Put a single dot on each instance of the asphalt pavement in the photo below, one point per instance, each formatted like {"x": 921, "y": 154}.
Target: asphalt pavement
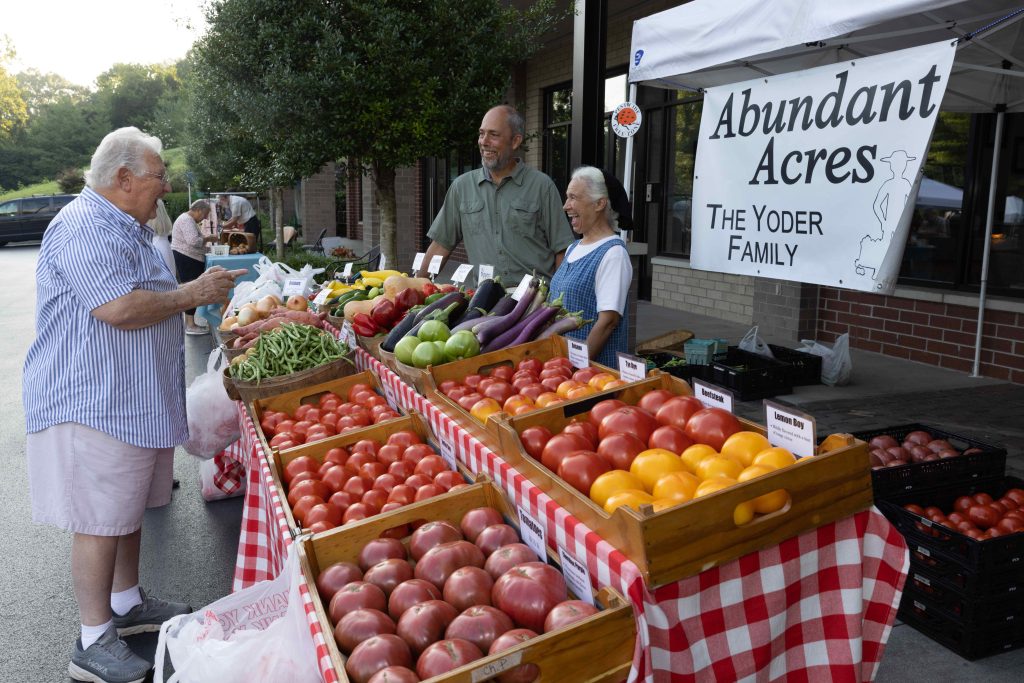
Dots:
{"x": 189, "y": 547}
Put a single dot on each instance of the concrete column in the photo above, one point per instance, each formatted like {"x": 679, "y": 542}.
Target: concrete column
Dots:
{"x": 785, "y": 312}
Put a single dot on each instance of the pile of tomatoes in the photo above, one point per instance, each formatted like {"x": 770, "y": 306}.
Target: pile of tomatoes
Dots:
{"x": 330, "y": 416}
{"x": 664, "y": 451}
{"x": 978, "y": 516}
{"x": 455, "y": 594}
{"x": 365, "y": 479}
{"x": 529, "y": 385}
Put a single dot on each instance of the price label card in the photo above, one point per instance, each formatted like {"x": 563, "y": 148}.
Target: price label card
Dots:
{"x": 579, "y": 354}
{"x": 348, "y": 269}
{"x": 489, "y": 671}
{"x": 461, "y": 273}
{"x": 577, "y": 576}
{"x": 712, "y": 396}
{"x": 435, "y": 265}
{"x": 392, "y": 400}
{"x": 524, "y": 285}
{"x": 383, "y": 262}
{"x": 448, "y": 452}
{"x": 322, "y": 296}
{"x": 295, "y": 285}
{"x": 791, "y": 429}
{"x": 417, "y": 262}
{"x": 631, "y": 368}
{"x": 347, "y": 334}
{"x": 485, "y": 272}
{"x": 533, "y": 533}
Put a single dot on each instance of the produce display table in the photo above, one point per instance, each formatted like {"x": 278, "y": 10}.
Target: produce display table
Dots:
{"x": 819, "y": 604}
{"x": 230, "y": 262}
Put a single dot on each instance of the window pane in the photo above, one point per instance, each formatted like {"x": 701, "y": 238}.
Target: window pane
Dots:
{"x": 8, "y": 208}
{"x": 615, "y": 92}
{"x": 559, "y": 106}
{"x": 35, "y": 204}
{"x": 556, "y": 156}
{"x": 683, "y": 126}
{"x": 936, "y": 230}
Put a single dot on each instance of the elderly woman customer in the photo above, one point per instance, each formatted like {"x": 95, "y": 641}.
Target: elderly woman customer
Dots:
{"x": 189, "y": 247}
{"x": 595, "y": 274}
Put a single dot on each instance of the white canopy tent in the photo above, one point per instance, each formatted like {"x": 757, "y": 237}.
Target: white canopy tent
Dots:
{"x": 705, "y": 43}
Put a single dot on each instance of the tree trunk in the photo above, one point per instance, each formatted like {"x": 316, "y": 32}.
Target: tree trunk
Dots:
{"x": 278, "y": 201}
{"x": 384, "y": 181}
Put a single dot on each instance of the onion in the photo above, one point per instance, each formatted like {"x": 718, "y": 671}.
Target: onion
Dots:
{"x": 248, "y": 316}
{"x": 229, "y": 322}
{"x": 267, "y": 304}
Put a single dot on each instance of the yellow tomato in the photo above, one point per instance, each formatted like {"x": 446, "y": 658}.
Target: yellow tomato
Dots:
{"x": 743, "y": 446}
{"x": 776, "y": 457}
{"x": 769, "y": 502}
{"x": 660, "y": 504}
{"x": 676, "y": 485}
{"x": 717, "y": 466}
{"x": 633, "y": 498}
{"x": 514, "y": 402}
{"x": 565, "y": 387}
{"x": 654, "y": 463}
{"x": 610, "y": 483}
{"x": 484, "y": 408}
{"x": 614, "y": 383}
{"x": 546, "y": 399}
{"x": 580, "y": 391}
{"x": 742, "y": 513}
{"x": 599, "y": 380}
{"x": 692, "y": 456}
{"x": 754, "y": 471}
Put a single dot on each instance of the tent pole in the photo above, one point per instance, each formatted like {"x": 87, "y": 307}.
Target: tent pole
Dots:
{"x": 988, "y": 241}
{"x": 627, "y": 180}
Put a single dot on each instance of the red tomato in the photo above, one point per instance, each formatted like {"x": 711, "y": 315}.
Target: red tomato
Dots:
{"x": 469, "y": 400}
{"x": 313, "y": 414}
{"x": 520, "y": 382}
{"x": 416, "y": 452}
{"x": 677, "y": 410}
{"x": 581, "y": 468}
{"x": 375, "y": 498}
{"x": 310, "y": 487}
{"x": 285, "y": 425}
{"x": 447, "y": 385}
{"x": 365, "y": 446}
{"x": 619, "y": 450}
{"x": 532, "y": 365}
{"x": 503, "y": 372}
{"x": 376, "y": 653}
{"x": 282, "y": 438}
{"x": 336, "y": 477}
{"x": 372, "y": 470}
{"x": 385, "y": 415}
{"x": 403, "y": 494}
{"x": 628, "y": 420}
{"x": 329, "y": 418}
{"x": 982, "y": 498}
{"x": 478, "y": 519}
{"x": 586, "y": 429}
{"x": 404, "y": 438}
{"x": 303, "y": 505}
{"x": 389, "y": 453}
{"x": 601, "y": 410}
{"x": 325, "y": 512}
{"x": 558, "y": 362}
{"x": 418, "y": 480}
{"x": 268, "y": 428}
{"x": 654, "y": 399}
{"x": 330, "y": 405}
{"x": 983, "y": 516}
{"x": 500, "y": 391}
{"x": 561, "y": 373}
{"x": 357, "y": 388}
{"x": 357, "y": 486}
{"x": 301, "y": 411}
{"x": 458, "y": 392}
{"x": 427, "y": 491}
{"x": 528, "y": 592}
{"x": 448, "y": 479}
{"x": 712, "y": 426}
{"x": 583, "y": 375}
{"x": 534, "y": 440}
{"x": 444, "y": 656}
{"x": 328, "y": 396}
{"x": 359, "y": 625}
{"x": 430, "y": 465}
{"x": 551, "y": 383}
{"x": 565, "y": 613}
{"x": 670, "y": 438}
{"x": 401, "y": 469}
{"x": 335, "y": 577}
{"x": 559, "y": 446}
{"x": 480, "y": 625}
{"x": 533, "y": 390}
{"x": 472, "y": 381}
{"x": 303, "y": 463}
{"x": 319, "y": 432}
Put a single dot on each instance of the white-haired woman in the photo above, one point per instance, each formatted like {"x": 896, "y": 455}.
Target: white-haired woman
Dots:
{"x": 595, "y": 274}
{"x": 188, "y": 244}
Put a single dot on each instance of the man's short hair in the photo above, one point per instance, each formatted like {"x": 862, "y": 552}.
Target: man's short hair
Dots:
{"x": 125, "y": 147}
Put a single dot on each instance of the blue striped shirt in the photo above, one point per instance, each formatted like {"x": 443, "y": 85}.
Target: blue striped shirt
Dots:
{"x": 129, "y": 384}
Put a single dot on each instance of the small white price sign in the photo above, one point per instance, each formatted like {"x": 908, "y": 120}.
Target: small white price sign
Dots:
{"x": 448, "y": 452}
{"x": 389, "y": 394}
{"x": 294, "y": 286}
{"x": 348, "y": 269}
{"x": 577, "y": 576}
{"x": 533, "y": 533}
{"x": 712, "y": 396}
{"x": 631, "y": 368}
{"x": 435, "y": 264}
{"x": 484, "y": 272}
{"x": 383, "y": 262}
{"x": 461, "y": 273}
{"x": 348, "y": 335}
{"x": 417, "y": 262}
{"x": 524, "y": 285}
{"x": 579, "y": 354}
{"x": 322, "y": 296}
{"x": 791, "y": 429}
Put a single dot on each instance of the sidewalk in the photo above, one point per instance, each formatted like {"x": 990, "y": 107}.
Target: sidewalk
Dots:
{"x": 885, "y": 392}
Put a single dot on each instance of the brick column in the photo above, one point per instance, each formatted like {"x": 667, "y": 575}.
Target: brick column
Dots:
{"x": 784, "y": 311}
{"x": 318, "y": 206}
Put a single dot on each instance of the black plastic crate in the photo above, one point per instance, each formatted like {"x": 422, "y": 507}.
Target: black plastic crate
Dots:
{"x": 750, "y": 376}
{"x": 931, "y": 571}
{"x": 1004, "y": 606}
{"x": 890, "y": 481}
{"x": 805, "y": 368}
{"x": 970, "y": 641}
{"x": 684, "y": 371}
{"x": 940, "y": 544}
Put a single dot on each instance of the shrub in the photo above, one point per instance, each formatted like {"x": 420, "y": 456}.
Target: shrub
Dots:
{"x": 71, "y": 180}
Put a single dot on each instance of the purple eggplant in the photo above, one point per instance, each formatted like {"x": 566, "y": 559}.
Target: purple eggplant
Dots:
{"x": 527, "y": 328}
{"x": 571, "y": 322}
{"x": 492, "y": 327}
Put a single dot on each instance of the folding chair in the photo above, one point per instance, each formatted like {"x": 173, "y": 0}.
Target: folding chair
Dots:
{"x": 317, "y": 246}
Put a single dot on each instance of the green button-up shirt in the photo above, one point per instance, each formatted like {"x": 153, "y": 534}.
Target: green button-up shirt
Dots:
{"x": 517, "y": 226}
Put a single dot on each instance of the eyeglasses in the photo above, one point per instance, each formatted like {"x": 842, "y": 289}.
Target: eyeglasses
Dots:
{"x": 162, "y": 177}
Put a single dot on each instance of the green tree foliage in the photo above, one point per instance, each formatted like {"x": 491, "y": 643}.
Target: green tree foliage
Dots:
{"x": 130, "y": 93}
{"x": 298, "y": 83}
{"x": 13, "y": 112}
{"x": 43, "y": 90}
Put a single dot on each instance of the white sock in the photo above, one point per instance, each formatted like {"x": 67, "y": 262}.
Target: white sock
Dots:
{"x": 90, "y": 634}
{"x": 123, "y": 601}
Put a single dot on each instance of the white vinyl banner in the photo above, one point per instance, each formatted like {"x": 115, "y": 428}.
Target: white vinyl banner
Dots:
{"x": 812, "y": 176}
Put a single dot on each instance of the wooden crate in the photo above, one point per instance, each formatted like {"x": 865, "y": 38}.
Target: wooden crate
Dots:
{"x": 542, "y": 350}
{"x": 670, "y": 342}
{"x": 689, "y": 538}
{"x": 318, "y": 450}
{"x": 599, "y": 648}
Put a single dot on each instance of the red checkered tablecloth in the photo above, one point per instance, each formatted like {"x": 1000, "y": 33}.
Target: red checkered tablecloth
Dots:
{"x": 817, "y": 605}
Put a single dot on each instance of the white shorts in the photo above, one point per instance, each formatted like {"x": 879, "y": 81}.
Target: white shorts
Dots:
{"x": 88, "y": 482}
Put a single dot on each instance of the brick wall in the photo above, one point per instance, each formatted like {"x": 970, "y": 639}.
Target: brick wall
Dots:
{"x": 785, "y": 312}
{"x": 318, "y": 204}
{"x": 354, "y": 199}
{"x": 719, "y": 295}
{"x": 928, "y": 331}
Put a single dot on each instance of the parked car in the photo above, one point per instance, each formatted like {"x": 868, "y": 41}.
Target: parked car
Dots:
{"x": 25, "y": 219}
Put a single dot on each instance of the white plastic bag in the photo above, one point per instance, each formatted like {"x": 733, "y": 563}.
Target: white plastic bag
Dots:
{"x": 258, "y": 635}
{"x": 836, "y": 363}
{"x": 220, "y": 478}
{"x": 212, "y": 416}
{"x": 753, "y": 343}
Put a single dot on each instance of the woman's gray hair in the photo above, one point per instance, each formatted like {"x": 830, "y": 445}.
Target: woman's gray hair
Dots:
{"x": 124, "y": 147}
{"x": 200, "y": 205}
{"x": 161, "y": 224}
{"x": 593, "y": 179}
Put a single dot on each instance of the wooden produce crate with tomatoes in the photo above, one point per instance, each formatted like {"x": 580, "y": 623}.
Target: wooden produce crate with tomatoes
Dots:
{"x": 375, "y": 469}
{"x": 523, "y": 371}
{"x": 396, "y": 611}
{"x": 343, "y": 405}
{"x": 721, "y": 499}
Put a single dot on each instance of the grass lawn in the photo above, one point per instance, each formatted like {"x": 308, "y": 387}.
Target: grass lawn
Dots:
{"x": 48, "y": 187}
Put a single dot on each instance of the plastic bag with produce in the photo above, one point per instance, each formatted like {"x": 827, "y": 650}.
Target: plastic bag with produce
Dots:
{"x": 212, "y": 417}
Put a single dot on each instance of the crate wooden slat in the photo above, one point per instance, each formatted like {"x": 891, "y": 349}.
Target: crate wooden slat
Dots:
{"x": 689, "y": 538}
{"x": 599, "y": 648}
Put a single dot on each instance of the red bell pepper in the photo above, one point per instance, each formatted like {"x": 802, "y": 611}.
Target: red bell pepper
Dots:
{"x": 364, "y": 326}
{"x": 408, "y": 297}
{"x": 429, "y": 288}
{"x": 384, "y": 313}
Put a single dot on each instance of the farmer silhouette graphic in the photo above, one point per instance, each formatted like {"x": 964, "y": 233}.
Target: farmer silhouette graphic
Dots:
{"x": 888, "y": 207}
